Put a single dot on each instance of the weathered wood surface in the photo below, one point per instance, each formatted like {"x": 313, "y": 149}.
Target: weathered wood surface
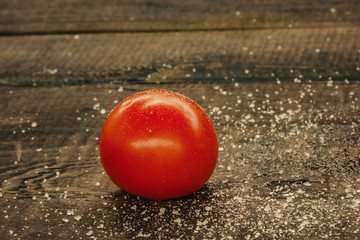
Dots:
{"x": 284, "y": 102}
{"x": 42, "y": 16}
{"x": 219, "y": 56}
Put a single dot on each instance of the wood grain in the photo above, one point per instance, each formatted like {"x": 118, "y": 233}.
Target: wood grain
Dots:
{"x": 287, "y": 120}
{"x": 163, "y": 57}
{"x": 286, "y": 151}
{"x": 279, "y": 79}
{"x": 70, "y": 16}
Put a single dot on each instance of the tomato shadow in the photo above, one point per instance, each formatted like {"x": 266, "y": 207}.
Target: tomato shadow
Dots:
{"x": 204, "y": 193}
{"x": 129, "y": 216}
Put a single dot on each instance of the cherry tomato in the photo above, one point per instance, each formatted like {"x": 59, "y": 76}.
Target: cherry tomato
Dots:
{"x": 158, "y": 144}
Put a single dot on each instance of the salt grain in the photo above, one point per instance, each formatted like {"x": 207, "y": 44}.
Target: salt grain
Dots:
{"x": 162, "y": 211}
{"x": 70, "y": 212}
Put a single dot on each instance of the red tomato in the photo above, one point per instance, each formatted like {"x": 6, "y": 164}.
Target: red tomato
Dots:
{"x": 159, "y": 145}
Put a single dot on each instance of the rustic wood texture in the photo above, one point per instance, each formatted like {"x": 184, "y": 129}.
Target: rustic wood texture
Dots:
{"x": 217, "y": 56}
{"x": 42, "y": 16}
{"x": 284, "y": 102}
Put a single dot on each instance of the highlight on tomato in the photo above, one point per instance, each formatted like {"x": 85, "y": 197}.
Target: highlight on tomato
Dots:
{"x": 159, "y": 145}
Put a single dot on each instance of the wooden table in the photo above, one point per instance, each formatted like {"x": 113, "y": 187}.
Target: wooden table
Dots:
{"x": 279, "y": 79}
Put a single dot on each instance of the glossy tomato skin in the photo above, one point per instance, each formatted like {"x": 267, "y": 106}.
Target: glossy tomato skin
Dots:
{"x": 159, "y": 145}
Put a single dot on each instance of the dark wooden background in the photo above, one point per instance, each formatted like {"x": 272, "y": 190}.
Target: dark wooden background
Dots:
{"x": 280, "y": 80}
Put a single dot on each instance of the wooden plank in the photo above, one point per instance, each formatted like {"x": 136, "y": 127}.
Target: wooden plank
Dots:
{"x": 41, "y": 16}
{"x": 285, "y": 105}
{"x": 164, "y": 57}
{"x": 288, "y": 164}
